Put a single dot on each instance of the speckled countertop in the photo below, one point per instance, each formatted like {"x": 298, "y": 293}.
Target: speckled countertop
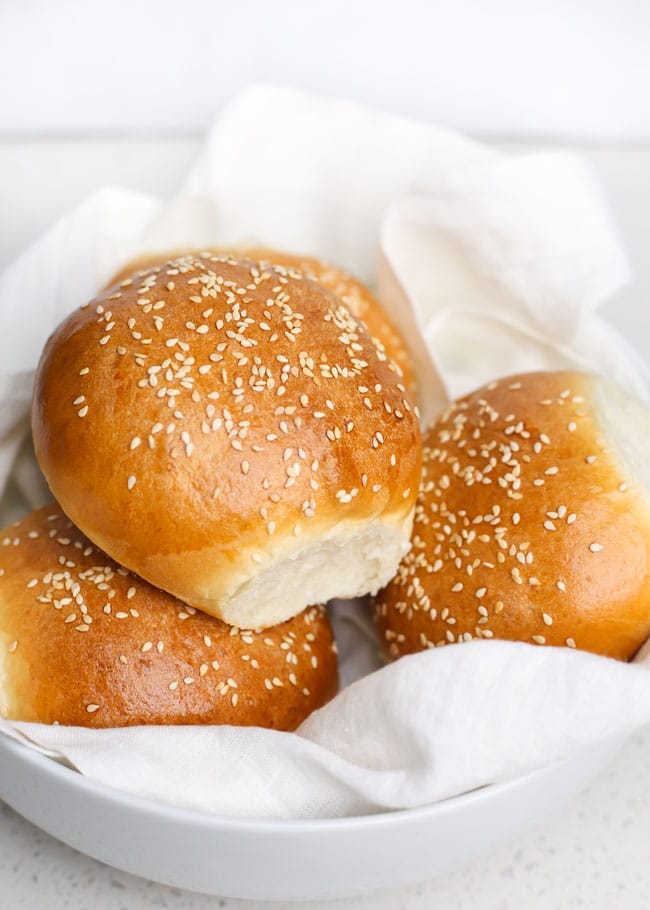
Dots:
{"x": 596, "y": 855}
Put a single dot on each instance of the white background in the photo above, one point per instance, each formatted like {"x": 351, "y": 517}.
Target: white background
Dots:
{"x": 569, "y": 68}
{"x": 115, "y": 92}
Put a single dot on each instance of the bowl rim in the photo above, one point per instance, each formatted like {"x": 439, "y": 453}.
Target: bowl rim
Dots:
{"x": 70, "y": 777}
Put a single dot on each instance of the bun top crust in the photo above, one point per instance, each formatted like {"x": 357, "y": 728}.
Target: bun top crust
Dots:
{"x": 361, "y": 302}
{"x": 214, "y": 416}
{"x": 84, "y": 642}
{"x": 532, "y": 522}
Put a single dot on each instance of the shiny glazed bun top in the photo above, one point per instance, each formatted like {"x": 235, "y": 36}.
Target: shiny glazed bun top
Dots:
{"x": 532, "y": 522}
{"x": 83, "y": 642}
{"x": 361, "y": 302}
{"x": 227, "y": 430}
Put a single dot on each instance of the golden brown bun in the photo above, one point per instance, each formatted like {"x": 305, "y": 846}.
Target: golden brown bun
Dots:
{"x": 361, "y": 302}
{"x": 532, "y": 523}
{"x": 83, "y": 642}
{"x": 229, "y": 432}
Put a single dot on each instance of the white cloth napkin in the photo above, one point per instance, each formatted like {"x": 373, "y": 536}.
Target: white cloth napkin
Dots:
{"x": 491, "y": 265}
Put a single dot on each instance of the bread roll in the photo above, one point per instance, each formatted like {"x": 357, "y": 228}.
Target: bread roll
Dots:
{"x": 83, "y": 642}
{"x": 532, "y": 522}
{"x": 228, "y": 431}
{"x": 361, "y": 302}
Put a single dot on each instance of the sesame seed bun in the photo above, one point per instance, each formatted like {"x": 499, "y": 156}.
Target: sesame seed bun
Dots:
{"x": 361, "y": 302}
{"x": 229, "y": 431}
{"x": 83, "y": 642}
{"x": 532, "y": 522}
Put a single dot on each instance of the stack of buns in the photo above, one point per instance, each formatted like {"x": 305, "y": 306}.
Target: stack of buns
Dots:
{"x": 232, "y": 440}
{"x": 230, "y": 447}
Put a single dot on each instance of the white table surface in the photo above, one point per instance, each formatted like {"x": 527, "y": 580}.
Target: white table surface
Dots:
{"x": 597, "y": 855}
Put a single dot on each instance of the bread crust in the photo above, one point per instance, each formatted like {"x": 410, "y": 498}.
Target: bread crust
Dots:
{"x": 530, "y": 525}
{"x": 213, "y": 417}
{"x": 359, "y": 299}
{"x": 83, "y": 642}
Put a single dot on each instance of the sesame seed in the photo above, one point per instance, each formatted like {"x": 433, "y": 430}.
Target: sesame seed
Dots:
{"x": 92, "y": 708}
{"x": 595, "y": 547}
{"x": 548, "y": 620}
{"x": 539, "y": 639}
{"x": 570, "y": 643}
{"x": 131, "y": 482}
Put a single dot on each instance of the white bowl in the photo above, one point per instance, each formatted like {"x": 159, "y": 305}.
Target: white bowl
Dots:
{"x": 278, "y": 860}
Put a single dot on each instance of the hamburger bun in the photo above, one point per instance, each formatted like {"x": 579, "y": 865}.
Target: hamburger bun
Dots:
{"x": 532, "y": 522}
{"x": 228, "y": 431}
{"x": 85, "y": 643}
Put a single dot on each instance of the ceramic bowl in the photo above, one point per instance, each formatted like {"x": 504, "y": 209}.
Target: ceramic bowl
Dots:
{"x": 279, "y": 860}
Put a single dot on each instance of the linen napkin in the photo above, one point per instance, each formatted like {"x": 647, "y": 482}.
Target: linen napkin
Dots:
{"x": 490, "y": 264}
